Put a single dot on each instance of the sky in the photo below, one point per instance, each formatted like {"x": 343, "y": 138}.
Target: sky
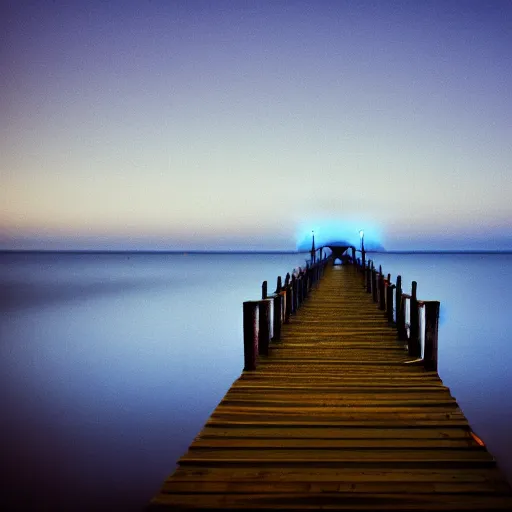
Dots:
{"x": 245, "y": 125}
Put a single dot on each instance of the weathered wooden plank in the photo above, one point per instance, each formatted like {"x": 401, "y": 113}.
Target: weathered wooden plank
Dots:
{"x": 267, "y": 486}
{"x": 321, "y": 432}
{"x": 352, "y": 444}
{"x": 393, "y": 422}
{"x": 368, "y": 401}
{"x": 403, "y": 399}
{"x": 336, "y": 376}
{"x": 309, "y": 363}
{"x": 338, "y": 475}
{"x": 336, "y": 501}
{"x": 359, "y": 456}
{"x": 342, "y": 375}
{"x": 341, "y": 412}
{"x": 339, "y": 389}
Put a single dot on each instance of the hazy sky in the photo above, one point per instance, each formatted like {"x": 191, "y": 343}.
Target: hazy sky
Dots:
{"x": 246, "y": 124}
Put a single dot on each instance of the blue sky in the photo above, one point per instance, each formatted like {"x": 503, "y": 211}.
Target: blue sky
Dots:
{"x": 158, "y": 124}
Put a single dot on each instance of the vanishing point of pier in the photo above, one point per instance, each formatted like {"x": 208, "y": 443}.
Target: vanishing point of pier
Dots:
{"x": 342, "y": 410}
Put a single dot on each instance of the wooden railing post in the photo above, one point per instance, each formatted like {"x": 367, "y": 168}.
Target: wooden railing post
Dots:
{"x": 250, "y": 318}
{"x": 414, "y": 315}
{"x": 284, "y": 319}
{"x": 389, "y": 302}
{"x": 288, "y": 306}
{"x": 263, "y": 326}
{"x": 300, "y": 289}
{"x": 294, "y": 294}
{"x": 382, "y": 290}
{"x": 279, "y": 286}
{"x": 400, "y": 312}
{"x": 369, "y": 277}
{"x": 431, "y": 334}
{"x": 277, "y": 317}
{"x": 374, "y": 284}
{"x": 264, "y": 292}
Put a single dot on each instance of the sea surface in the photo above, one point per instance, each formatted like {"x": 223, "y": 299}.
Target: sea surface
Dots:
{"x": 110, "y": 364}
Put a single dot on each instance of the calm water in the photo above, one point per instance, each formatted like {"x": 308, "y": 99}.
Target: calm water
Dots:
{"x": 111, "y": 364}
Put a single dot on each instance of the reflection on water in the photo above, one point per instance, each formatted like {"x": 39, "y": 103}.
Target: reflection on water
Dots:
{"x": 111, "y": 364}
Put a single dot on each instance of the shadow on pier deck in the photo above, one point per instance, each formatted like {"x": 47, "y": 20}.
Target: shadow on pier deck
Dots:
{"x": 335, "y": 418}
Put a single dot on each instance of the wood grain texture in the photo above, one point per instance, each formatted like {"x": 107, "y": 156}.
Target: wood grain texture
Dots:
{"x": 336, "y": 417}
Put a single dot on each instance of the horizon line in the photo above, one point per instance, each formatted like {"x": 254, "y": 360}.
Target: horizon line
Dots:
{"x": 239, "y": 251}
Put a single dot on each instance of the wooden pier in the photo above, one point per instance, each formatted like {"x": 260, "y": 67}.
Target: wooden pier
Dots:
{"x": 339, "y": 411}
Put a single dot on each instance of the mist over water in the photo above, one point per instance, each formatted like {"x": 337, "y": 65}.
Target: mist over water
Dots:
{"x": 110, "y": 364}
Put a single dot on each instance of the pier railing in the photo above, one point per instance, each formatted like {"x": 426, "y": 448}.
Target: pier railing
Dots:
{"x": 416, "y": 321}
{"x": 262, "y": 319}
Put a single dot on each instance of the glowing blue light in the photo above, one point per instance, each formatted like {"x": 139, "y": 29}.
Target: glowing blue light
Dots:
{"x": 330, "y": 230}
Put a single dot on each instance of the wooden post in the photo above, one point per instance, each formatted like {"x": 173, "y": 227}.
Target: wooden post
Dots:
{"x": 279, "y": 284}
{"x": 288, "y": 307}
{"x": 431, "y": 332}
{"x": 389, "y": 302}
{"x": 354, "y": 261}
{"x": 374, "y": 284}
{"x": 264, "y": 290}
{"x": 414, "y": 315}
{"x": 382, "y": 291}
{"x": 294, "y": 294}
{"x": 300, "y": 291}
{"x": 263, "y": 326}
{"x": 403, "y": 312}
{"x": 250, "y": 335}
{"x": 277, "y": 317}
{"x": 363, "y": 258}
{"x": 369, "y": 278}
{"x": 283, "y": 294}
{"x": 400, "y": 319}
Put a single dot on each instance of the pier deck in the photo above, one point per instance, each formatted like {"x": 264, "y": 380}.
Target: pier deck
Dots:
{"x": 337, "y": 418}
